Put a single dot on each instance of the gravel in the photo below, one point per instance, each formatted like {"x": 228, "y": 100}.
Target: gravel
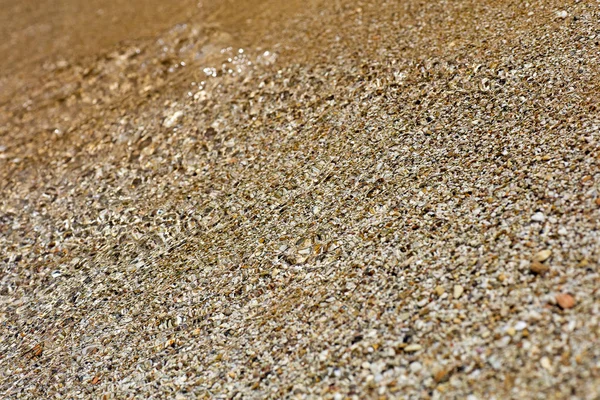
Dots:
{"x": 358, "y": 200}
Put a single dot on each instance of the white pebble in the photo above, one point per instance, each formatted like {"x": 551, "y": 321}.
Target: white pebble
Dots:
{"x": 411, "y": 348}
{"x": 538, "y": 217}
{"x": 173, "y": 119}
{"x": 415, "y": 366}
{"x": 458, "y": 291}
{"x": 545, "y": 362}
{"x": 519, "y": 326}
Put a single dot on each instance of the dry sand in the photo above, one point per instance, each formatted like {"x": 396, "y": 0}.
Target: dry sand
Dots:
{"x": 327, "y": 200}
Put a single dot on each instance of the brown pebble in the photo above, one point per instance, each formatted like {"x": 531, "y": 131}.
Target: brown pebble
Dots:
{"x": 442, "y": 375}
{"x": 538, "y": 268}
{"x": 565, "y": 301}
{"x": 598, "y": 201}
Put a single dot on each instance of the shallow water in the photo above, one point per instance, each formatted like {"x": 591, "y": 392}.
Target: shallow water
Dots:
{"x": 44, "y": 38}
{"x": 34, "y": 30}
{"x": 39, "y": 30}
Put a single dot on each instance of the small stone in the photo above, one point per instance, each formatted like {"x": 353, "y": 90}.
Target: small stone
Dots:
{"x": 439, "y": 290}
{"x": 538, "y": 268}
{"x": 598, "y": 201}
{"x": 538, "y": 217}
{"x": 563, "y": 231}
{"x": 565, "y": 301}
{"x": 173, "y": 119}
{"x": 442, "y": 375}
{"x": 562, "y": 14}
{"x": 511, "y": 331}
{"x": 415, "y": 366}
{"x": 520, "y": 325}
{"x": 458, "y": 291}
{"x": 411, "y": 348}
{"x": 62, "y": 64}
{"x": 543, "y": 255}
{"x": 545, "y": 362}
{"x": 583, "y": 263}
{"x": 423, "y": 302}
{"x": 403, "y": 316}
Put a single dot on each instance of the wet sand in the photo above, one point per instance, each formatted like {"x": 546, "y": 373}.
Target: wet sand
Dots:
{"x": 38, "y": 31}
{"x": 247, "y": 199}
{"x": 42, "y": 37}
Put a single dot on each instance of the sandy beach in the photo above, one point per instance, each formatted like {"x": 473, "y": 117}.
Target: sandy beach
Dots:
{"x": 306, "y": 200}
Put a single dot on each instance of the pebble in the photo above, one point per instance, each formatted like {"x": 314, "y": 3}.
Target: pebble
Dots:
{"x": 411, "y": 348}
{"x": 565, "y": 301}
{"x": 439, "y": 290}
{"x": 442, "y": 375}
{"x": 173, "y": 119}
{"x": 545, "y": 362}
{"x": 423, "y": 302}
{"x": 403, "y": 316}
{"x": 90, "y": 349}
{"x": 538, "y": 217}
{"x": 415, "y": 366}
{"x": 520, "y": 325}
{"x": 542, "y": 256}
{"x": 458, "y": 291}
{"x": 538, "y": 268}
{"x": 562, "y": 14}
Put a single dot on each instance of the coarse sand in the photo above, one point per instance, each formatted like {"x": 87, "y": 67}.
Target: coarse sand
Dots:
{"x": 320, "y": 199}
